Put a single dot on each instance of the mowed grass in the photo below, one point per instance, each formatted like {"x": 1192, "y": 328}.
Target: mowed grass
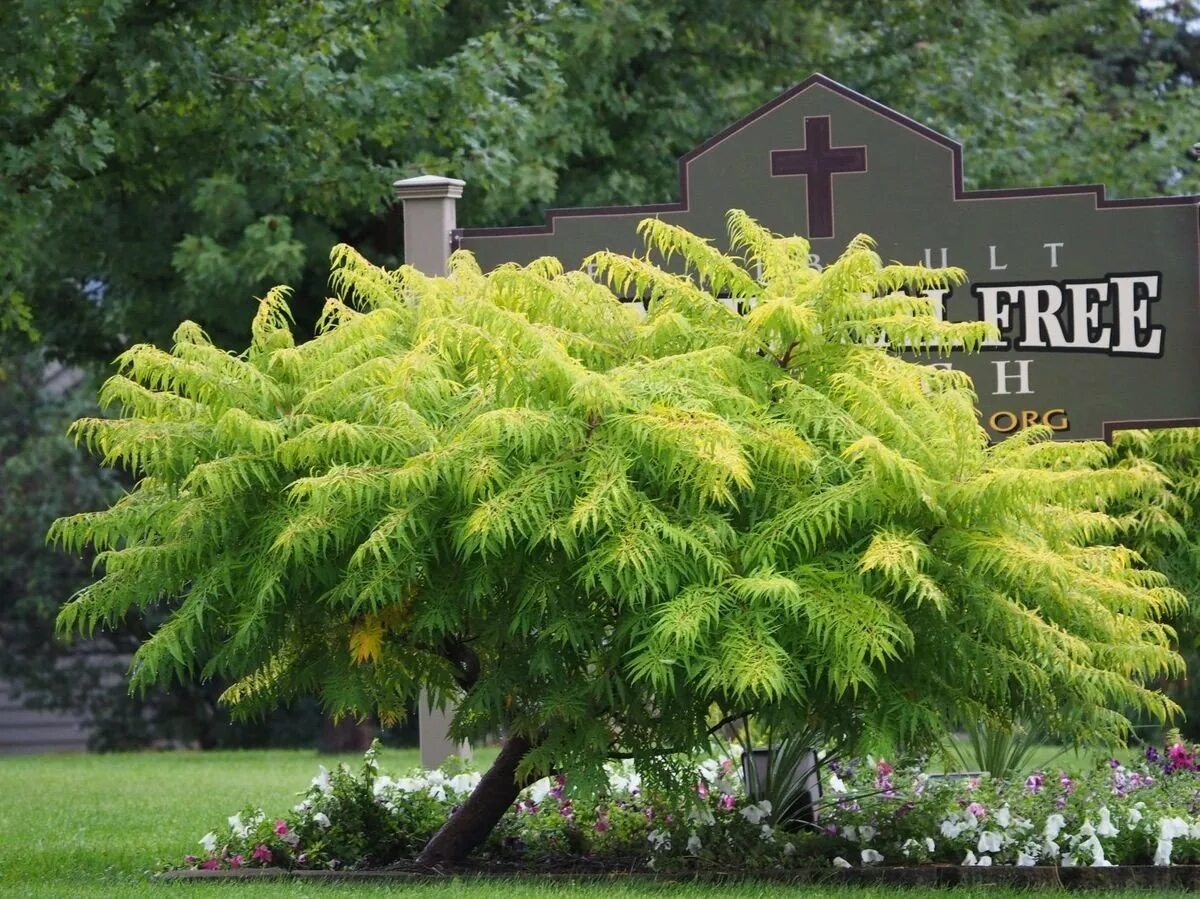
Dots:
{"x": 98, "y": 825}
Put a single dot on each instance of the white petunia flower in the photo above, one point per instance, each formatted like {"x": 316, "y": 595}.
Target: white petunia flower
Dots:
{"x": 1025, "y": 860}
{"x": 866, "y": 833}
{"x": 659, "y": 840}
{"x": 767, "y": 834}
{"x": 985, "y": 861}
{"x": 322, "y": 781}
{"x": 951, "y": 828}
{"x": 701, "y": 816}
{"x": 1050, "y": 849}
{"x": 929, "y": 843}
{"x": 840, "y": 862}
{"x": 850, "y": 832}
{"x": 989, "y": 841}
{"x": 836, "y": 784}
{"x": 322, "y": 819}
{"x": 209, "y": 841}
{"x": 1003, "y": 817}
{"x": 464, "y": 783}
{"x": 693, "y": 844}
{"x": 1170, "y": 828}
{"x": 540, "y": 790}
{"x": 970, "y": 861}
{"x": 757, "y": 812}
{"x": 1106, "y": 828}
{"x": 1054, "y": 826}
{"x": 871, "y": 857}
{"x": 1135, "y": 815}
{"x": 237, "y": 828}
{"x": 1162, "y": 854}
{"x": 789, "y": 848}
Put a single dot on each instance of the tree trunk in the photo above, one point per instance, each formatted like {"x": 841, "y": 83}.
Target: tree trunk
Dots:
{"x": 474, "y": 820}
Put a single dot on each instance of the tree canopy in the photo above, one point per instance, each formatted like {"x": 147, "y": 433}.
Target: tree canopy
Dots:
{"x": 170, "y": 160}
{"x": 602, "y": 532}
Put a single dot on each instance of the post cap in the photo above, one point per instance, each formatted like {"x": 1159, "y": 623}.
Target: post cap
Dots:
{"x": 429, "y": 187}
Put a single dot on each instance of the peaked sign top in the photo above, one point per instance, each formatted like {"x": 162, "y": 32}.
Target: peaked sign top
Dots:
{"x": 1096, "y": 299}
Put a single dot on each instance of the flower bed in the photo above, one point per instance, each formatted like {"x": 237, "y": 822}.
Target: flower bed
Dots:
{"x": 872, "y": 815}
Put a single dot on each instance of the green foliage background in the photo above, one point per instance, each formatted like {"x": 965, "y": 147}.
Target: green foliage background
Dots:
{"x": 174, "y": 160}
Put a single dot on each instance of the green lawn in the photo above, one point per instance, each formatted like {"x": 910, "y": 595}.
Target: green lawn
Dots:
{"x": 82, "y": 825}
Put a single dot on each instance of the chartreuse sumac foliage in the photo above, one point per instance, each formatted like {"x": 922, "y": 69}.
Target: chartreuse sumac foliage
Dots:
{"x": 601, "y": 530}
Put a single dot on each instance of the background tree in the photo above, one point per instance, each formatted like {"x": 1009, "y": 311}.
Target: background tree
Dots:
{"x": 43, "y": 476}
{"x": 1166, "y": 532}
{"x": 589, "y": 528}
{"x": 170, "y": 160}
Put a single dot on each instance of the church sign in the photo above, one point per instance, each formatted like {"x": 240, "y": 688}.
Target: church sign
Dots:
{"x": 1097, "y": 301}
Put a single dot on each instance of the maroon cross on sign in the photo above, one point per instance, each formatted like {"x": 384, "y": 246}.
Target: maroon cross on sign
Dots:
{"x": 819, "y": 162}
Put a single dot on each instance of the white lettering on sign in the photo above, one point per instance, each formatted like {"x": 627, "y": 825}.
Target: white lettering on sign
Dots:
{"x": 1040, "y": 305}
{"x": 1003, "y": 376}
{"x": 1136, "y": 336}
{"x": 929, "y": 258}
{"x": 992, "y": 257}
{"x": 992, "y": 311}
{"x": 1053, "y": 248}
{"x": 1112, "y": 316}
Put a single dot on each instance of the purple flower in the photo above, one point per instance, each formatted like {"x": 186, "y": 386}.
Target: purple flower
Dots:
{"x": 1151, "y": 754}
{"x": 1034, "y": 782}
{"x": 1114, "y": 764}
{"x": 1060, "y": 802}
{"x": 1179, "y": 759}
{"x": 1068, "y": 785}
{"x": 977, "y": 810}
{"x": 727, "y": 801}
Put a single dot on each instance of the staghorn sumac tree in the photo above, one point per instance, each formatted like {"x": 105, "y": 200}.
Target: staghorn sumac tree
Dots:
{"x": 604, "y": 532}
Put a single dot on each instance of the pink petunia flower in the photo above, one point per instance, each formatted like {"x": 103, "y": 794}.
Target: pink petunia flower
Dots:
{"x": 281, "y": 827}
{"x": 210, "y": 864}
{"x": 236, "y": 861}
{"x": 262, "y": 854}
{"x": 727, "y": 801}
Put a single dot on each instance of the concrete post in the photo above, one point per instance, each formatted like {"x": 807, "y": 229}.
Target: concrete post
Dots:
{"x": 429, "y": 218}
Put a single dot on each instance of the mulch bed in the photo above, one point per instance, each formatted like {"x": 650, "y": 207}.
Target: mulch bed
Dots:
{"x": 1125, "y": 876}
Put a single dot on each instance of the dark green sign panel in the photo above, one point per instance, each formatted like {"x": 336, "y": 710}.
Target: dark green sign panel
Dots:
{"x": 1097, "y": 300}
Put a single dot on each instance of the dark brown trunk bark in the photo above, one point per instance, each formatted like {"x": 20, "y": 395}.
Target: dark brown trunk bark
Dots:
{"x": 474, "y": 820}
